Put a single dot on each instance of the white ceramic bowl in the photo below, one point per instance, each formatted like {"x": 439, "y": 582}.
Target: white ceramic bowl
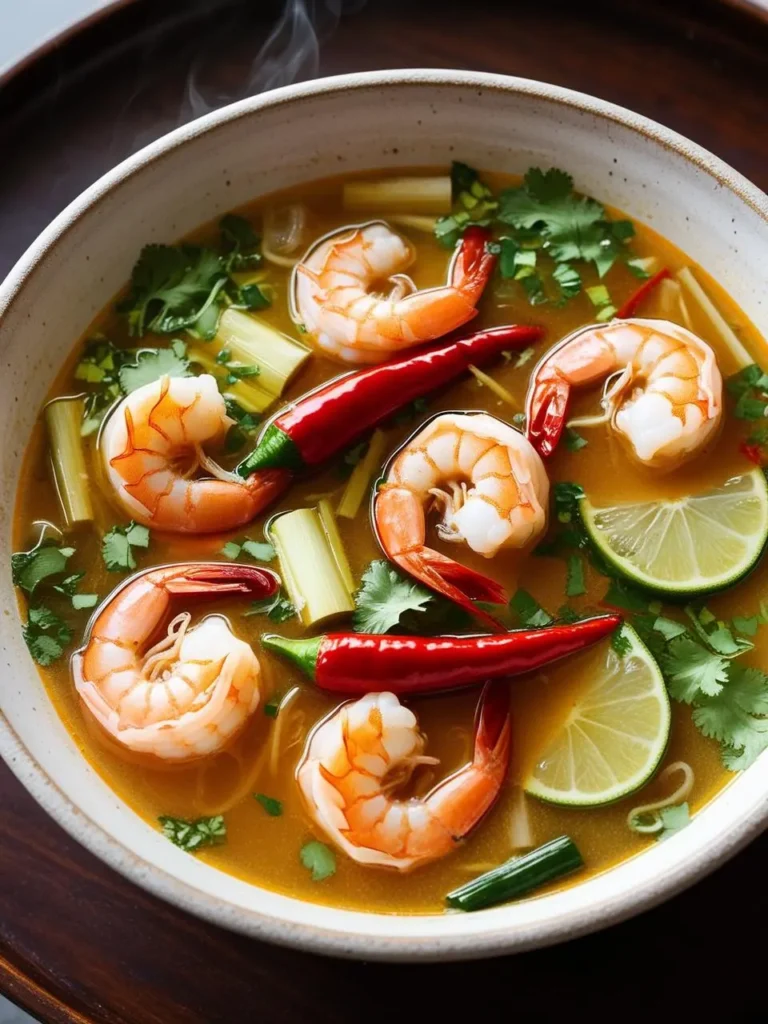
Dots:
{"x": 385, "y": 119}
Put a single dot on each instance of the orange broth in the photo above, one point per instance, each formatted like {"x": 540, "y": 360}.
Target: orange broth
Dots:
{"x": 265, "y": 850}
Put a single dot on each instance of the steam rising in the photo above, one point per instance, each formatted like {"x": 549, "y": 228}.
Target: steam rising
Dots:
{"x": 291, "y": 53}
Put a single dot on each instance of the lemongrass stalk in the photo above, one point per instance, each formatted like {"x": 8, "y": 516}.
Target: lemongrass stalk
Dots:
{"x": 247, "y": 393}
{"x": 715, "y": 318}
{"x": 671, "y": 303}
{"x": 253, "y": 342}
{"x": 328, "y": 520}
{"x": 414, "y": 221}
{"x": 309, "y": 566}
{"x": 520, "y": 831}
{"x": 361, "y": 477}
{"x": 400, "y": 195}
{"x": 498, "y": 389}
{"x": 64, "y": 417}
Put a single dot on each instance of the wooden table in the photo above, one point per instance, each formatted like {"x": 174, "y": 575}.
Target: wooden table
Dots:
{"x": 77, "y": 942}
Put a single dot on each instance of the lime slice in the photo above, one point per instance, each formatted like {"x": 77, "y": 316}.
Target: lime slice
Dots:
{"x": 691, "y": 545}
{"x": 616, "y": 733}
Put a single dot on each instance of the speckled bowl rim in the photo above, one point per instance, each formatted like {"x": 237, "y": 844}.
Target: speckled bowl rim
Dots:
{"x": 667, "y": 869}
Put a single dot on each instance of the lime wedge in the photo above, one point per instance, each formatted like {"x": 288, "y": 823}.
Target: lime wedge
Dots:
{"x": 615, "y": 736}
{"x": 692, "y": 545}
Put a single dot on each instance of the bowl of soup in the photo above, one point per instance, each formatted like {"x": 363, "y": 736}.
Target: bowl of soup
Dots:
{"x": 385, "y": 513}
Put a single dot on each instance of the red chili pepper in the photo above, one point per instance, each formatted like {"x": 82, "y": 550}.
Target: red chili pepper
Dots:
{"x": 358, "y": 663}
{"x": 333, "y": 416}
{"x": 753, "y": 452}
{"x": 630, "y": 306}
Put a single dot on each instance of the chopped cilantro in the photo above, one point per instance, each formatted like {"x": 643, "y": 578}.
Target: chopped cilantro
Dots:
{"x": 669, "y": 628}
{"x": 117, "y": 546}
{"x": 473, "y": 203}
{"x": 150, "y": 365}
{"x": 194, "y": 835}
{"x": 30, "y": 568}
{"x": 172, "y": 286}
{"x": 261, "y": 551}
{"x": 528, "y": 610}
{"x": 620, "y": 642}
{"x": 319, "y": 859}
{"x": 231, "y": 550}
{"x": 672, "y": 820}
{"x": 274, "y": 808}
{"x": 525, "y": 356}
{"x": 746, "y": 626}
{"x": 735, "y": 716}
{"x": 244, "y": 427}
{"x": 272, "y": 708}
{"x": 46, "y": 635}
{"x": 384, "y": 597}
{"x": 624, "y": 596}
{"x": 692, "y": 670}
{"x": 574, "y": 442}
{"x": 277, "y": 608}
{"x": 569, "y": 281}
{"x": 82, "y": 601}
{"x": 241, "y": 242}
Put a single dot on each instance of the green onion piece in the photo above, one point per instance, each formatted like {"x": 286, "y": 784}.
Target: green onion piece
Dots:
{"x": 64, "y": 417}
{"x": 518, "y": 876}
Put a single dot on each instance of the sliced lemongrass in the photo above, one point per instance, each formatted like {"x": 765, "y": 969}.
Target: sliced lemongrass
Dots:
{"x": 328, "y": 520}
{"x": 679, "y": 796}
{"x": 498, "y": 389}
{"x": 598, "y": 420}
{"x": 362, "y": 474}
{"x": 403, "y": 194}
{"x": 251, "y": 341}
{"x": 520, "y": 831}
{"x": 64, "y": 418}
{"x": 671, "y": 303}
{"x": 317, "y": 584}
{"x": 711, "y": 312}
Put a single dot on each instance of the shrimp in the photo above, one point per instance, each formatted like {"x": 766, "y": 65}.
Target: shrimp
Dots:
{"x": 355, "y": 760}
{"x": 333, "y": 292}
{"x": 666, "y": 402}
{"x": 151, "y": 447}
{"x": 186, "y": 695}
{"x": 493, "y": 491}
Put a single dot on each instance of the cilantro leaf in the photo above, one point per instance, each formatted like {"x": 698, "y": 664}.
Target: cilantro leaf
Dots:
{"x": 274, "y": 808}
{"x": 171, "y": 287}
{"x": 83, "y": 601}
{"x": 735, "y": 716}
{"x": 46, "y": 635}
{"x": 624, "y": 596}
{"x": 150, "y": 365}
{"x": 473, "y": 203}
{"x": 118, "y": 543}
{"x": 192, "y": 836}
{"x": 528, "y": 610}
{"x": 672, "y": 820}
{"x": 620, "y": 642}
{"x": 669, "y": 628}
{"x": 30, "y": 568}
{"x": 319, "y": 859}
{"x": 692, "y": 670}
{"x": 241, "y": 241}
{"x": 261, "y": 551}
{"x": 277, "y": 608}
{"x": 384, "y": 597}
{"x": 746, "y": 626}
{"x": 574, "y": 442}
{"x": 231, "y": 550}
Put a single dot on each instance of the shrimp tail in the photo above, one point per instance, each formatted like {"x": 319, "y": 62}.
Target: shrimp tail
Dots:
{"x": 473, "y": 264}
{"x": 459, "y": 584}
{"x": 547, "y": 410}
{"x": 214, "y": 578}
{"x": 267, "y": 484}
{"x": 493, "y": 730}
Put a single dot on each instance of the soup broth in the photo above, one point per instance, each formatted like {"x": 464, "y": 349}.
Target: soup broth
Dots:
{"x": 264, "y": 848}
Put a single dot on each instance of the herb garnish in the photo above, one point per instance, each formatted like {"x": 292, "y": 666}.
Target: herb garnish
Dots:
{"x": 319, "y": 859}
{"x": 46, "y": 635}
{"x": 117, "y": 546}
{"x": 274, "y": 808}
{"x": 277, "y": 608}
{"x": 192, "y": 836}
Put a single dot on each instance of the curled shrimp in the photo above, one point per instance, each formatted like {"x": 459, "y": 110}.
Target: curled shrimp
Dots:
{"x": 333, "y": 292}
{"x": 186, "y": 695}
{"x": 492, "y": 489}
{"x": 358, "y": 757}
{"x": 152, "y": 447}
{"x": 666, "y": 402}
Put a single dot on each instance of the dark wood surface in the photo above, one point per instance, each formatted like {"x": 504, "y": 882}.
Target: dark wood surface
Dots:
{"x": 77, "y": 942}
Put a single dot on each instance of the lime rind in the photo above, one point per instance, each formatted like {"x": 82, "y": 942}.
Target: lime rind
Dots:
{"x": 698, "y": 544}
{"x": 615, "y": 737}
